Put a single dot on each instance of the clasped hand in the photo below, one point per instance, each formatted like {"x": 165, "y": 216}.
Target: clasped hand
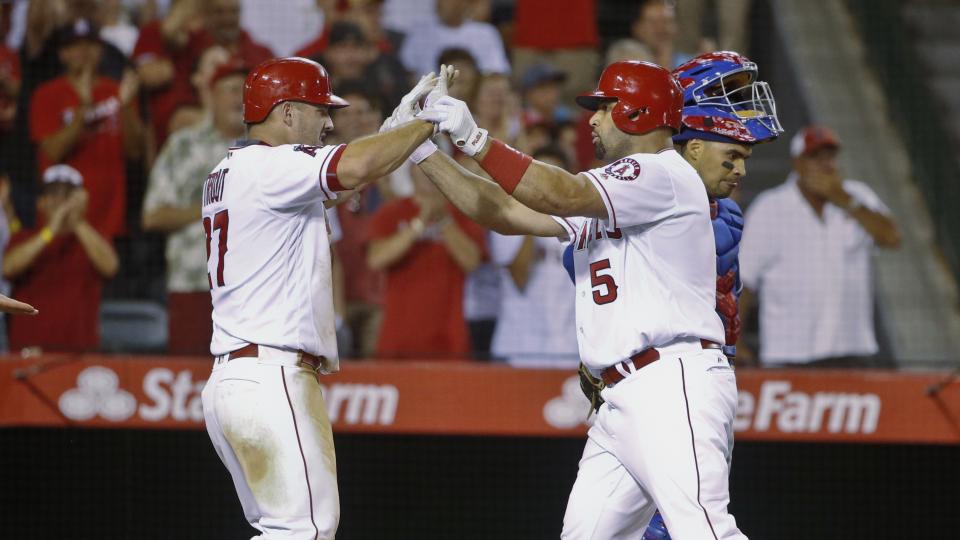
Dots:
{"x": 451, "y": 116}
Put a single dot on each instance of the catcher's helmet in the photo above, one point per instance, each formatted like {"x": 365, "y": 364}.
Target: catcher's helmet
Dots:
{"x": 647, "y": 97}
{"x": 728, "y": 81}
{"x": 286, "y": 79}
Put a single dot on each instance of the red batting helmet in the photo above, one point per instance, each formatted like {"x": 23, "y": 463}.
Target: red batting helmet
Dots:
{"x": 647, "y": 96}
{"x": 286, "y": 79}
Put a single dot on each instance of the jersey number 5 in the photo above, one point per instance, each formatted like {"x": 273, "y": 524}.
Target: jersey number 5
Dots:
{"x": 602, "y": 280}
{"x": 221, "y": 222}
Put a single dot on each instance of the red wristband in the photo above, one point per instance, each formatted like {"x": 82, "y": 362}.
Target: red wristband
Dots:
{"x": 505, "y": 164}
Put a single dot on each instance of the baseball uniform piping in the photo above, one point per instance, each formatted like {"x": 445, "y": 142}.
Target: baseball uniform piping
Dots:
{"x": 605, "y": 196}
{"x": 696, "y": 464}
{"x": 322, "y": 177}
{"x": 306, "y": 475}
{"x": 333, "y": 181}
{"x": 563, "y": 222}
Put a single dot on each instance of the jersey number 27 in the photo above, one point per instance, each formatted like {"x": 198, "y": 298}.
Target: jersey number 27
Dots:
{"x": 221, "y": 222}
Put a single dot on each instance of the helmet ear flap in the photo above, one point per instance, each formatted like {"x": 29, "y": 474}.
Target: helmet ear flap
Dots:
{"x": 648, "y": 96}
{"x": 625, "y": 118}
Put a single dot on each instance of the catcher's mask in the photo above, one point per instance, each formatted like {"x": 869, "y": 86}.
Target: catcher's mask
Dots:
{"x": 728, "y": 81}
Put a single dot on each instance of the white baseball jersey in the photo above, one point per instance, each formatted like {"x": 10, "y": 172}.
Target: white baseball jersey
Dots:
{"x": 268, "y": 248}
{"x": 645, "y": 275}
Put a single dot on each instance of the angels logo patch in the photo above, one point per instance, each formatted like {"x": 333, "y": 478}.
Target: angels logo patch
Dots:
{"x": 625, "y": 169}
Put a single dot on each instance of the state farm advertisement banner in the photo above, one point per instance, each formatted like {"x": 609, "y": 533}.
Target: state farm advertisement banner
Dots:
{"x": 478, "y": 399}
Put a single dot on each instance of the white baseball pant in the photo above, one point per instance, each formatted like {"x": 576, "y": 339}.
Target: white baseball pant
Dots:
{"x": 663, "y": 439}
{"x": 268, "y": 422}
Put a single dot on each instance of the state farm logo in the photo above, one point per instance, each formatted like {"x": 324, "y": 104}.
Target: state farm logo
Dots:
{"x": 625, "y": 169}
{"x": 367, "y": 404}
{"x": 98, "y": 393}
{"x": 570, "y": 408}
{"x": 781, "y": 409}
{"x": 175, "y": 396}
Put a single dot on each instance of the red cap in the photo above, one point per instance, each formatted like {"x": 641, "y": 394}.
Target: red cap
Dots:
{"x": 813, "y": 138}
{"x": 233, "y": 66}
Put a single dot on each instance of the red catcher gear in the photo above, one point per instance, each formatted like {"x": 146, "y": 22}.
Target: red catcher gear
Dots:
{"x": 647, "y": 96}
{"x": 286, "y": 79}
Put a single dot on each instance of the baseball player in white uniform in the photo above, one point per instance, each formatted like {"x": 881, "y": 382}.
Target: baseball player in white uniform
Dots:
{"x": 270, "y": 280}
{"x": 645, "y": 285}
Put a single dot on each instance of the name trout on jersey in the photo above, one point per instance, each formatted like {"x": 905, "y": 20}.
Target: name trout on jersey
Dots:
{"x": 213, "y": 186}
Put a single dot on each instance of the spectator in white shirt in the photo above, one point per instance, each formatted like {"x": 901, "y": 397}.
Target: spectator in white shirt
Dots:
{"x": 537, "y": 322}
{"x": 806, "y": 252}
{"x": 422, "y": 47}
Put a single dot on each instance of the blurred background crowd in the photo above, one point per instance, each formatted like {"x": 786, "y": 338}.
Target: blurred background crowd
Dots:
{"x": 112, "y": 113}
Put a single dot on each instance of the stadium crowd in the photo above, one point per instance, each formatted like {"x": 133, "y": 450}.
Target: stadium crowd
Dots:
{"x": 112, "y": 113}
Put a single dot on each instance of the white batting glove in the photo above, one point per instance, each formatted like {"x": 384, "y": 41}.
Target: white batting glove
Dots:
{"x": 447, "y": 75}
{"x": 455, "y": 119}
{"x": 409, "y": 105}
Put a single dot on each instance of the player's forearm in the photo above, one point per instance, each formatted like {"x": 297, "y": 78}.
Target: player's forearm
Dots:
{"x": 375, "y": 156}
{"x": 170, "y": 218}
{"x": 98, "y": 250}
{"x": 551, "y": 190}
{"x": 386, "y": 252}
{"x": 21, "y": 258}
{"x": 481, "y": 200}
{"x": 465, "y": 252}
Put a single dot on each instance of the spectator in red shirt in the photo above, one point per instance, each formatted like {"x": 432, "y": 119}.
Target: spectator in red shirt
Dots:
{"x": 63, "y": 262}
{"x": 167, "y": 51}
{"x": 40, "y": 63}
{"x": 426, "y": 247}
{"x": 90, "y": 123}
{"x": 164, "y": 63}
{"x": 9, "y": 87}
